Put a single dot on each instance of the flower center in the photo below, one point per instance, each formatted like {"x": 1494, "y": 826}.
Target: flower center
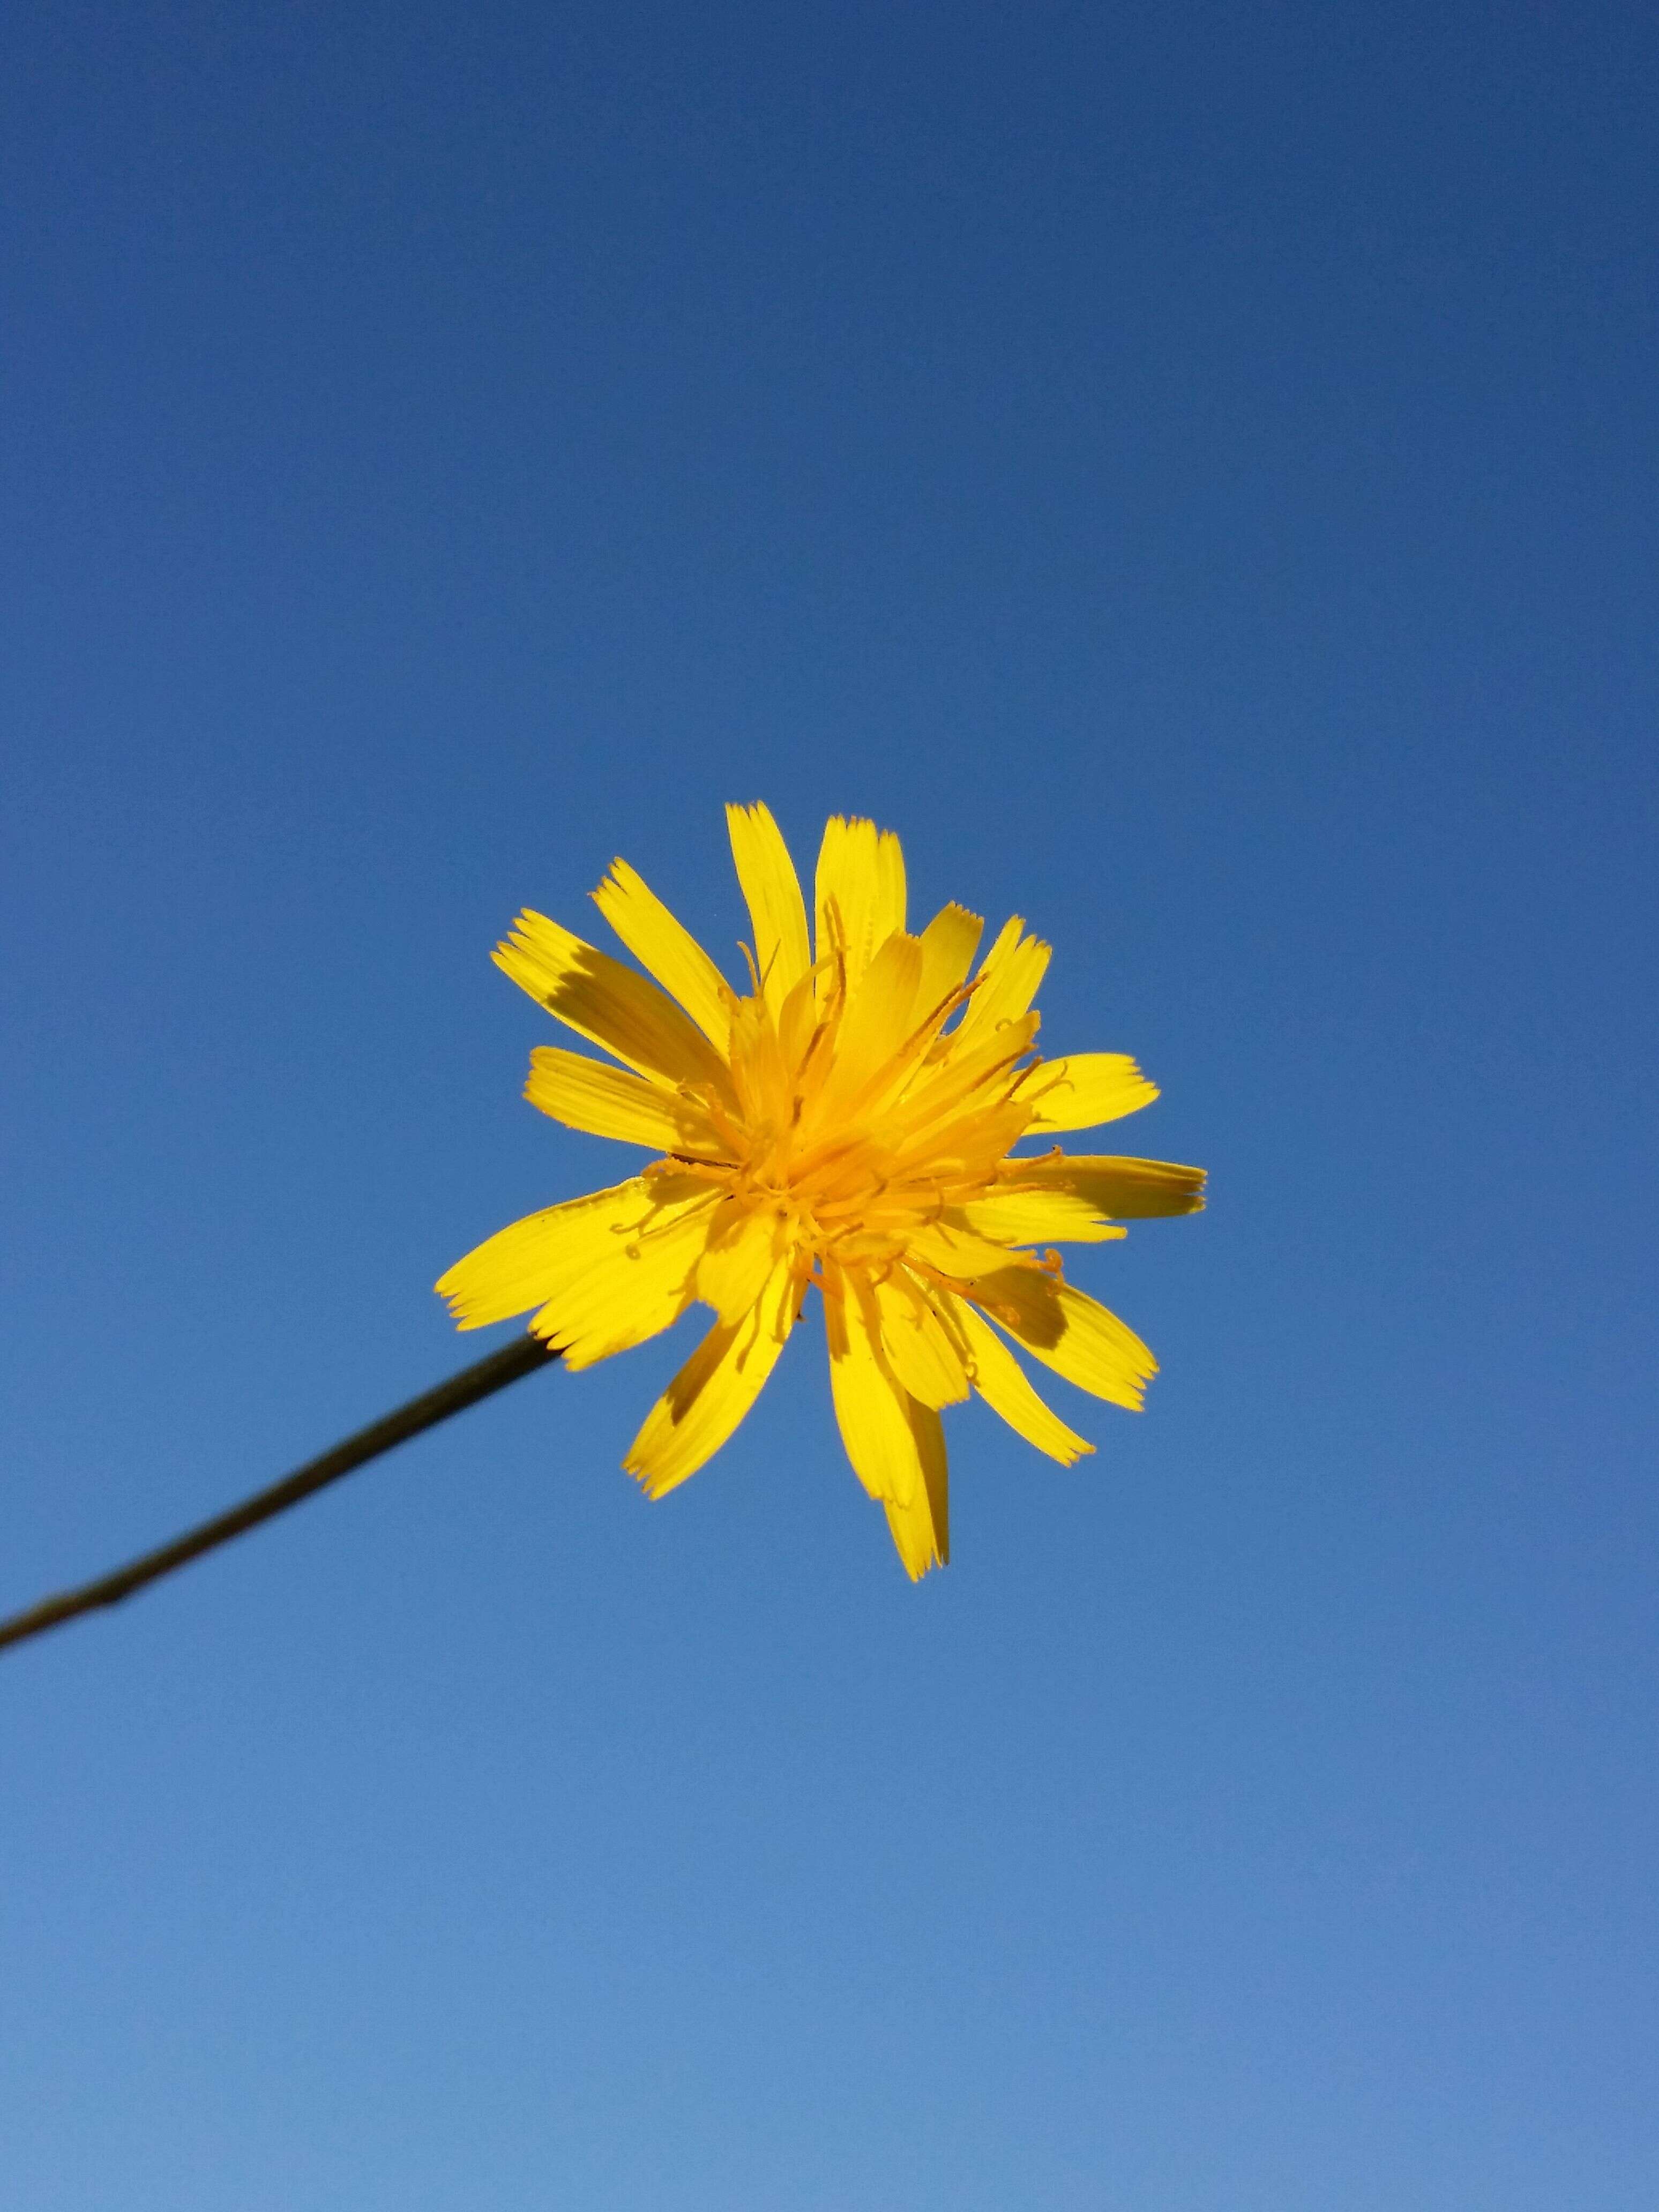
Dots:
{"x": 859, "y": 1158}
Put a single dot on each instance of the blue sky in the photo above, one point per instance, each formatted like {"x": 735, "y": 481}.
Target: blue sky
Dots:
{"x": 1189, "y": 472}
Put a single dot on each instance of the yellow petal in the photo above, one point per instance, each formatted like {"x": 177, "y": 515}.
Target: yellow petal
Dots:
{"x": 713, "y": 1391}
{"x": 531, "y": 1261}
{"x": 832, "y": 1120}
{"x": 743, "y": 1249}
{"x": 948, "y": 945}
{"x": 1070, "y": 1332}
{"x": 880, "y": 1072}
{"x": 608, "y": 1004}
{"x": 760, "y": 1078}
{"x": 608, "y": 1102}
{"x": 949, "y": 1247}
{"x": 881, "y": 1014}
{"x": 918, "y": 1346}
{"x": 872, "y": 1407}
{"x": 1006, "y": 984}
{"x": 514, "y": 1270}
{"x": 797, "y": 1022}
{"x": 663, "y": 946}
{"x": 638, "y": 1288}
{"x": 988, "y": 1066}
{"x": 776, "y": 908}
{"x": 921, "y": 1527}
{"x": 860, "y": 892}
{"x": 1129, "y": 1190}
{"x": 1084, "y": 1089}
{"x": 1037, "y": 1217}
{"x": 1006, "y": 1389}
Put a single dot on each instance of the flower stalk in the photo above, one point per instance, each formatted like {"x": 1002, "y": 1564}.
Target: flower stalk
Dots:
{"x": 482, "y": 1380}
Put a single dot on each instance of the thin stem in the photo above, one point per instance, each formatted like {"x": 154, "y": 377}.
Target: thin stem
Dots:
{"x": 522, "y": 1356}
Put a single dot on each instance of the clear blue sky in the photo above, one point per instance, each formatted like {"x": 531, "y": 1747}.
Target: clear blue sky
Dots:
{"x": 1191, "y": 472}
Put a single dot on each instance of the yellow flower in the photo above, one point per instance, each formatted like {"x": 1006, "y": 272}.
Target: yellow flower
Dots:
{"x": 849, "y": 1123}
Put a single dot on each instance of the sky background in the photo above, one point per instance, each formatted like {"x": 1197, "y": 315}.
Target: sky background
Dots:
{"x": 1190, "y": 471}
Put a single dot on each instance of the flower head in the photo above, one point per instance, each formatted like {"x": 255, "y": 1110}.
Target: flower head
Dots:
{"x": 848, "y": 1121}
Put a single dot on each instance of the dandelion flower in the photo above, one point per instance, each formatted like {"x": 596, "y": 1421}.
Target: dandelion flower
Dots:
{"x": 848, "y": 1122}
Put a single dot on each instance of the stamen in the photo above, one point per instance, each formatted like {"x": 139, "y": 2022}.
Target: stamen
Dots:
{"x": 709, "y": 1171}
{"x": 823, "y": 1030}
{"x": 641, "y": 1232}
{"x": 703, "y": 1096}
{"x": 959, "y": 1285}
